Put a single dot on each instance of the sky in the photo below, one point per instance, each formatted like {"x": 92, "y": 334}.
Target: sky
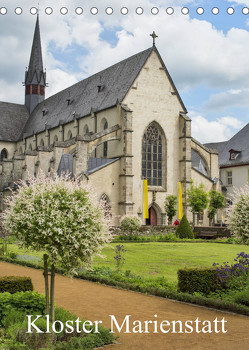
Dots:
{"x": 207, "y": 55}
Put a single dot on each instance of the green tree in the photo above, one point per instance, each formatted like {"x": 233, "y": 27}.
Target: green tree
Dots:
{"x": 170, "y": 207}
{"x": 238, "y": 214}
{"x": 60, "y": 217}
{"x": 130, "y": 224}
{"x": 184, "y": 229}
{"x": 197, "y": 199}
{"x": 216, "y": 201}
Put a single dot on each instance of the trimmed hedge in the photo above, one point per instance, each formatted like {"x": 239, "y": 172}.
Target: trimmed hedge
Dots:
{"x": 161, "y": 292}
{"x": 14, "y": 284}
{"x": 197, "y": 280}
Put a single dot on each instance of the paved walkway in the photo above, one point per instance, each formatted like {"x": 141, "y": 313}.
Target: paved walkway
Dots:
{"x": 96, "y": 302}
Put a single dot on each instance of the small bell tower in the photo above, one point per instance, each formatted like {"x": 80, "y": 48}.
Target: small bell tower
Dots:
{"x": 35, "y": 77}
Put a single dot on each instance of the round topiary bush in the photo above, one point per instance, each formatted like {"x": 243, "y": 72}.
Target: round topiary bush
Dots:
{"x": 130, "y": 224}
{"x": 184, "y": 229}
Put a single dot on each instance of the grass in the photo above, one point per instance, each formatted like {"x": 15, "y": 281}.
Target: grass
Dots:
{"x": 155, "y": 259}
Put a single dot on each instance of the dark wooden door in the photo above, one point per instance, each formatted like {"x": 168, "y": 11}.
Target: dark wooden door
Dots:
{"x": 153, "y": 217}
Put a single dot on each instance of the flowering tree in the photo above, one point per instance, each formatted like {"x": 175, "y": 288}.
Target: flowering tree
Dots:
{"x": 238, "y": 214}
{"x": 61, "y": 217}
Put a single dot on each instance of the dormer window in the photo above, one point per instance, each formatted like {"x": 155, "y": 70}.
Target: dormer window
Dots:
{"x": 234, "y": 154}
{"x": 69, "y": 101}
{"x": 100, "y": 87}
{"x": 44, "y": 111}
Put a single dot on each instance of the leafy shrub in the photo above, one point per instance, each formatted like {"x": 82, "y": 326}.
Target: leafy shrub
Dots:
{"x": 16, "y": 337}
{"x": 242, "y": 297}
{"x": 130, "y": 224}
{"x": 184, "y": 229}
{"x": 12, "y": 255}
{"x": 197, "y": 280}
{"x": 234, "y": 276}
{"x": 13, "y": 284}
{"x": 29, "y": 302}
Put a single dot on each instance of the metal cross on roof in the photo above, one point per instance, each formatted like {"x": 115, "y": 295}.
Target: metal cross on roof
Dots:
{"x": 154, "y": 36}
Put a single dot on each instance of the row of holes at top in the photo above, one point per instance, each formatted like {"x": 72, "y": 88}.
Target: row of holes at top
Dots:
{"x": 124, "y": 10}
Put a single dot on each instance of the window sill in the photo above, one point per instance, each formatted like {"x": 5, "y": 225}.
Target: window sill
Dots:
{"x": 156, "y": 188}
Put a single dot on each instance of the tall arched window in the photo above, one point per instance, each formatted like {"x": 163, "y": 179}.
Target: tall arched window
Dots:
{"x": 4, "y": 154}
{"x": 105, "y": 202}
{"x": 152, "y": 155}
{"x": 105, "y": 143}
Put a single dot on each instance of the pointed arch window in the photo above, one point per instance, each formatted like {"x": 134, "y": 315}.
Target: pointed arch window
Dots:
{"x": 4, "y": 155}
{"x": 105, "y": 149}
{"x": 152, "y": 150}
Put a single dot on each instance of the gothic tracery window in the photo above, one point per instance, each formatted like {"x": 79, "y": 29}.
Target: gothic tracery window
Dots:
{"x": 152, "y": 156}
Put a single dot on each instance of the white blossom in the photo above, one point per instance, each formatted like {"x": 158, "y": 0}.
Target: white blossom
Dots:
{"x": 59, "y": 216}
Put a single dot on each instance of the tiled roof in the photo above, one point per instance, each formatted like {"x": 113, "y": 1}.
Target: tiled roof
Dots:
{"x": 65, "y": 165}
{"x": 114, "y": 83}
{"x": 12, "y": 119}
{"x": 95, "y": 164}
{"x": 239, "y": 142}
{"x": 35, "y": 62}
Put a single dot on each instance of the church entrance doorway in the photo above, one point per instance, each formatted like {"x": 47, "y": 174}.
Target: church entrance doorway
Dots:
{"x": 152, "y": 221}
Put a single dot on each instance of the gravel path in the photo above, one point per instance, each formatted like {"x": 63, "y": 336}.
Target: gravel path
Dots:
{"x": 96, "y": 302}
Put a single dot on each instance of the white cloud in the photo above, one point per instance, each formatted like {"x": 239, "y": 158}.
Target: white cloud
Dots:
{"x": 194, "y": 51}
{"x": 227, "y": 99}
{"x": 221, "y": 129}
{"x": 240, "y": 2}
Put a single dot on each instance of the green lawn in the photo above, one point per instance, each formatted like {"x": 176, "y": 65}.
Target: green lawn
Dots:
{"x": 162, "y": 259}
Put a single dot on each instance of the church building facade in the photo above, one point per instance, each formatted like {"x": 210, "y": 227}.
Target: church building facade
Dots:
{"x": 115, "y": 128}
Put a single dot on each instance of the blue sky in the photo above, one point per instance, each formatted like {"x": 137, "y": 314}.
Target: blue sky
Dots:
{"x": 207, "y": 55}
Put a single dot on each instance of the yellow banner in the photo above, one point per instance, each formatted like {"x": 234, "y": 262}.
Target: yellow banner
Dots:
{"x": 180, "y": 208}
{"x": 145, "y": 200}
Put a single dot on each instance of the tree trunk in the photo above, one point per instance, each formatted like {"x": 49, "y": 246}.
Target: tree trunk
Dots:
{"x": 45, "y": 273}
{"x": 52, "y": 293}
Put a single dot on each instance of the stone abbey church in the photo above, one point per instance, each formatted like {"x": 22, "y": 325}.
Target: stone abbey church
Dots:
{"x": 115, "y": 128}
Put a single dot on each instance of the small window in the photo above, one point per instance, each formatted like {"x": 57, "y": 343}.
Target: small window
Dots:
{"x": 69, "y": 135}
{"x": 30, "y": 147}
{"x": 42, "y": 90}
{"x": 86, "y": 130}
{"x": 55, "y": 139}
{"x": 35, "y": 89}
{"x": 42, "y": 143}
{"x": 4, "y": 154}
{"x": 229, "y": 178}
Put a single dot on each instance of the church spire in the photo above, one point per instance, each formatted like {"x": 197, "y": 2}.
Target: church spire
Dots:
{"x": 35, "y": 77}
